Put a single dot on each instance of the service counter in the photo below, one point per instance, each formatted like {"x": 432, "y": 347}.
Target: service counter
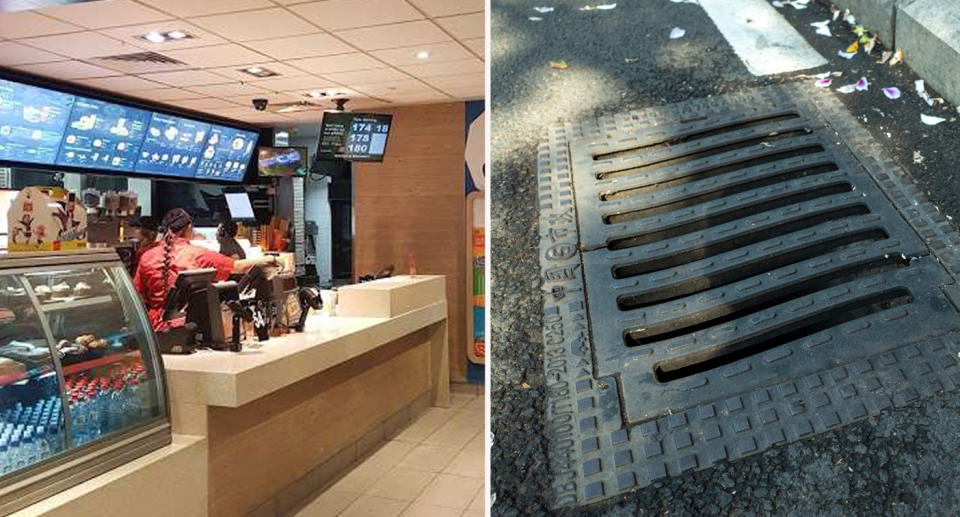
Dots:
{"x": 279, "y": 422}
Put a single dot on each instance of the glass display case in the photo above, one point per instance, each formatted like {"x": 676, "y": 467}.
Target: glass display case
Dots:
{"x": 81, "y": 382}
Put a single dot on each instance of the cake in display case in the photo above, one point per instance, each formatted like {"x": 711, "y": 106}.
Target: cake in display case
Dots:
{"x": 81, "y": 381}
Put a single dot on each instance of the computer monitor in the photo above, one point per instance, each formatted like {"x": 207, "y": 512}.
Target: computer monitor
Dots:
{"x": 238, "y": 203}
{"x": 194, "y": 293}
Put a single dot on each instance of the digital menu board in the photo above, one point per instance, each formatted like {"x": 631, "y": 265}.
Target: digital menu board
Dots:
{"x": 31, "y": 122}
{"x": 359, "y": 137}
{"x": 103, "y": 135}
{"x": 172, "y": 146}
{"x": 226, "y": 154}
{"x": 49, "y": 128}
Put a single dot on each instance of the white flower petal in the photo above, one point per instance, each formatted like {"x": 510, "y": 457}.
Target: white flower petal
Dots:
{"x": 543, "y": 9}
{"x": 892, "y": 93}
{"x": 677, "y": 32}
{"x": 930, "y": 120}
{"x": 850, "y": 88}
{"x": 846, "y": 55}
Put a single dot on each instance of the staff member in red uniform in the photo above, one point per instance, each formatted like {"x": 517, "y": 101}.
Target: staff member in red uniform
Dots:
{"x": 159, "y": 266}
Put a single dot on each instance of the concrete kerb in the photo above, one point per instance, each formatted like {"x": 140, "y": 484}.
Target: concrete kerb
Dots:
{"x": 928, "y": 31}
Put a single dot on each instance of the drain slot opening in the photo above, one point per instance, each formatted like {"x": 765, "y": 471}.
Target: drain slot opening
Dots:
{"x": 725, "y": 313}
{"x": 693, "y": 155}
{"x": 708, "y": 221}
{"x": 733, "y": 190}
{"x": 696, "y": 136}
{"x": 826, "y": 318}
{"x": 718, "y": 247}
{"x": 759, "y": 266}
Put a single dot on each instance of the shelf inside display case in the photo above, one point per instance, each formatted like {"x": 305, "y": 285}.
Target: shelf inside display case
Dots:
{"x": 80, "y": 373}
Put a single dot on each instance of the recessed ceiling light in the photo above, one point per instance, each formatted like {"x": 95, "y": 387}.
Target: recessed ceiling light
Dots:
{"x": 161, "y": 37}
{"x": 327, "y": 94}
{"x": 154, "y": 37}
{"x": 423, "y": 54}
{"x": 259, "y": 71}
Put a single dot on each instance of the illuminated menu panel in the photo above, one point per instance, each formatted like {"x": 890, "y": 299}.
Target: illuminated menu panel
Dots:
{"x": 32, "y": 121}
{"x": 103, "y": 135}
{"x": 226, "y": 154}
{"x": 172, "y": 146}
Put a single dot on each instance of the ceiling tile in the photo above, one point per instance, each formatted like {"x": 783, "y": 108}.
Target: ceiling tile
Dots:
{"x": 466, "y": 93}
{"x": 477, "y": 45}
{"x": 345, "y": 14}
{"x": 189, "y": 8}
{"x": 301, "y": 46}
{"x": 64, "y": 69}
{"x": 27, "y": 24}
{"x": 393, "y": 36}
{"x": 123, "y": 83}
{"x": 217, "y": 56}
{"x": 381, "y": 75}
{"x": 131, "y": 34}
{"x": 463, "y": 66}
{"x": 13, "y": 54}
{"x": 409, "y": 86}
{"x": 435, "y": 8}
{"x": 186, "y": 78}
{"x": 81, "y": 45}
{"x": 105, "y": 13}
{"x": 138, "y": 67}
{"x": 255, "y": 25}
{"x": 227, "y": 90}
{"x": 209, "y": 103}
{"x": 272, "y": 98}
{"x": 285, "y": 84}
{"x": 448, "y": 51}
{"x": 233, "y": 72}
{"x": 475, "y": 80}
{"x": 341, "y": 63}
{"x": 464, "y": 27}
{"x": 166, "y": 94}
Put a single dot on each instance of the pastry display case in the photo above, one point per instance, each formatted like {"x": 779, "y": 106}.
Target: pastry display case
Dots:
{"x": 81, "y": 381}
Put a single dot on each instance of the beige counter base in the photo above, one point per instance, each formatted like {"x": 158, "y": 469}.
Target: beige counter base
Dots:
{"x": 169, "y": 481}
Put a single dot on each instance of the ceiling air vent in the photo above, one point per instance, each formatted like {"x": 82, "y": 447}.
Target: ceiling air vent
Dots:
{"x": 143, "y": 57}
{"x": 9, "y": 6}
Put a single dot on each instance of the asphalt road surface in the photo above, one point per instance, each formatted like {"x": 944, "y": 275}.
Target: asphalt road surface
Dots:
{"x": 905, "y": 462}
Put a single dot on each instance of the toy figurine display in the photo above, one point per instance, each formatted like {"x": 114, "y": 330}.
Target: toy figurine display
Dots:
{"x": 47, "y": 219}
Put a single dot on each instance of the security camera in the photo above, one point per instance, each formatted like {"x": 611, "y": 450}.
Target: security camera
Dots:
{"x": 260, "y": 104}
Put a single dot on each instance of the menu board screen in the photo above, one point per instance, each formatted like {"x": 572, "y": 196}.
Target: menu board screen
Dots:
{"x": 31, "y": 122}
{"x": 360, "y": 137}
{"x": 226, "y": 154}
{"x": 172, "y": 146}
{"x": 103, "y": 135}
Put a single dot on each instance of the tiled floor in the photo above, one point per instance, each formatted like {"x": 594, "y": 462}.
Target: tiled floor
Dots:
{"x": 433, "y": 468}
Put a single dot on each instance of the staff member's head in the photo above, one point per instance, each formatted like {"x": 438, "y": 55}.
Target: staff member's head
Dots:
{"x": 147, "y": 234}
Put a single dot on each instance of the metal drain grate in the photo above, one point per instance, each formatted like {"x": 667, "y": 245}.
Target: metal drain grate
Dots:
{"x": 720, "y": 275}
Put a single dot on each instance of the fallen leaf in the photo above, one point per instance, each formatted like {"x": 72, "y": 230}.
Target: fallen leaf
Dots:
{"x": 849, "y": 18}
{"x": 562, "y": 65}
{"x": 850, "y": 88}
{"x": 892, "y": 92}
{"x": 897, "y": 57}
{"x": 823, "y": 83}
{"x": 543, "y": 9}
{"x": 823, "y": 27}
{"x": 930, "y": 120}
{"x": 853, "y": 47}
{"x": 846, "y": 55}
{"x": 677, "y": 32}
{"x": 525, "y": 385}
{"x": 862, "y": 84}
{"x": 859, "y": 30}
{"x": 885, "y": 56}
{"x": 870, "y": 43}
{"x": 836, "y": 12}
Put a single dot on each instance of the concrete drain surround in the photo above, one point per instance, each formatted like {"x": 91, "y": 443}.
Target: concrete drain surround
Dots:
{"x": 724, "y": 275}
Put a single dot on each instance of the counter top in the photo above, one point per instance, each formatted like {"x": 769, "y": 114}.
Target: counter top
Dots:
{"x": 233, "y": 379}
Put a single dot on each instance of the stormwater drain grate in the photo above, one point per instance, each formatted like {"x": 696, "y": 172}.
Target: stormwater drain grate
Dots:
{"x": 727, "y": 274}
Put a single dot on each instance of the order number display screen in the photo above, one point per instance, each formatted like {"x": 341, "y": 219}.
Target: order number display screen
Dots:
{"x": 48, "y": 127}
{"x": 360, "y": 137}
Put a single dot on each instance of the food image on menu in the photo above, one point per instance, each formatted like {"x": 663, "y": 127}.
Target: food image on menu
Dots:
{"x": 227, "y": 152}
{"x": 171, "y": 146}
{"x": 32, "y": 122}
{"x": 103, "y": 135}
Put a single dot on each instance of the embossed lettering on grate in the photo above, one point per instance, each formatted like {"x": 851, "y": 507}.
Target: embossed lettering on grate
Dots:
{"x": 726, "y": 247}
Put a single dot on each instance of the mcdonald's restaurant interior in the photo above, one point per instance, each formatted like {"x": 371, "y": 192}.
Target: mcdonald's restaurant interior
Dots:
{"x": 242, "y": 258}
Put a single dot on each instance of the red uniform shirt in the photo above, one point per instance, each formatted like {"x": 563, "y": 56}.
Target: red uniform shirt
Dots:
{"x": 149, "y": 279}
